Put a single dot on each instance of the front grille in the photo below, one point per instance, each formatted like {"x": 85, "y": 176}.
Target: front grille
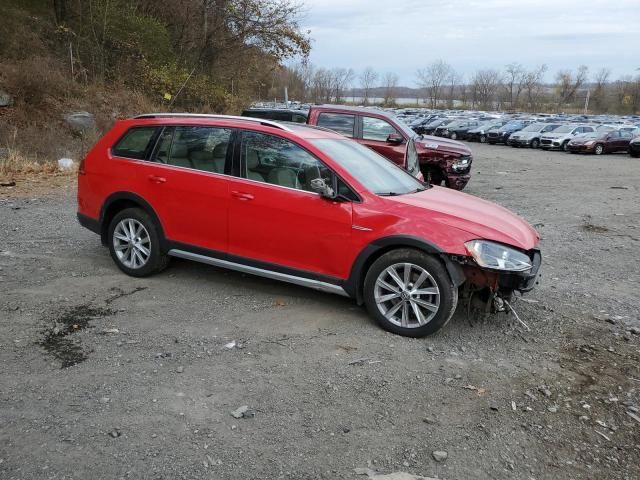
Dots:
{"x": 545, "y": 142}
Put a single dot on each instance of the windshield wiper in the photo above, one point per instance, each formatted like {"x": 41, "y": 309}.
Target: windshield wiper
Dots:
{"x": 388, "y": 194}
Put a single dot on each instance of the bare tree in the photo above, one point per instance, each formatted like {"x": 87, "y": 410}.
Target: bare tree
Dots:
{"x": 568, "y": 84}
{"x": 433, "y": 78}
{"x": 368, "y": 78}
{"x": 485, "y": 84}
{"x": 390, "y": 84}
{"x": 533, "y": 87}
{"x": 599, "y": 91}
{"x": 453, "y": 81}
{"x": 514, "y": 83}
{"x": 342, "y": 79}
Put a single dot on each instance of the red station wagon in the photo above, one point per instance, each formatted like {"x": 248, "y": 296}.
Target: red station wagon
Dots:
{"x": 303, "y": 205}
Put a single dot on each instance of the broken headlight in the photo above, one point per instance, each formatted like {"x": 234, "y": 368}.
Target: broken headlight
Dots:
{"x": 498, "y": 257}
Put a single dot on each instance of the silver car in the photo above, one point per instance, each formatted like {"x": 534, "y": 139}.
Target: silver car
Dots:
{"x": 559, "y": 139}
{"x": 530, "y": 135}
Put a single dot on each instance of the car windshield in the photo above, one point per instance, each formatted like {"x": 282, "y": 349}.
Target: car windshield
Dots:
{"x": 534, "y": 127}
{"x": 373, "y": 171}
{"x": 513, "y": 125}
{"x": 564, "y": 129}
{"x": 405, "y": 128}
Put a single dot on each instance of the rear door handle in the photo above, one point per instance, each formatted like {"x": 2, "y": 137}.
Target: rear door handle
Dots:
{"x": 156, "y": 179}
{"x": 242, "y": 195}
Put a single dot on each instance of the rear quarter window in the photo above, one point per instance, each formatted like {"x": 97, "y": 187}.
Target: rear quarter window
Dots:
{"x": 135, "y": 143}
{"x": 338, "y": 122}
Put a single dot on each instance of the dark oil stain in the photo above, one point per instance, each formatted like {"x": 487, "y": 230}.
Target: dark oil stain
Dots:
{"x": 56, "y": 339}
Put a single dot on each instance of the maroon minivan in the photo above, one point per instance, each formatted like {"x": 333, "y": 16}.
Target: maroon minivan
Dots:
{"x": 439, "y": 160}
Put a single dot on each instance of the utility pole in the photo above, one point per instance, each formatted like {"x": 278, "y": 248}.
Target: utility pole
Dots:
{"x": 586, "y": 102}
{"x": 286, "y": 96}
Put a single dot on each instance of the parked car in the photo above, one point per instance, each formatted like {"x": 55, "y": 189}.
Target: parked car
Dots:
{"x": 634, "y": 147}
{"x": 439, "y": 160}
{"x": 502, "y": 134}
{"x": 530, "y": 135}
{"x": 479, "y": 134}
{"x": 277, "y": 114}
{"x": 303, "y": 205}
{"x": 456, "y": 129}
{"x": 601, "y": 142}
{"x": 430, "y": 127}
{"x": 559, "y": 139}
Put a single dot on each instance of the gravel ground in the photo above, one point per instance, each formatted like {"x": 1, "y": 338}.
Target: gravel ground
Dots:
{"x": 106, "y": 376}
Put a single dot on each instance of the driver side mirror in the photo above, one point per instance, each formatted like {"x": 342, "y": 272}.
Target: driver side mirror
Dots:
{"x": 318, "y": 185}
{"x": 395, "y": 138}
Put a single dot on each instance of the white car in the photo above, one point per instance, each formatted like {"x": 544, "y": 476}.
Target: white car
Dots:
{"x": 559, "y": 139}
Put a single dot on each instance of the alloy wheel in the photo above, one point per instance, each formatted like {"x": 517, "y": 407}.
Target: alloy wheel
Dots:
{"x": 132, "y": 243}
{"x": 599, "y": 149}
{"x": 407, "y": 295}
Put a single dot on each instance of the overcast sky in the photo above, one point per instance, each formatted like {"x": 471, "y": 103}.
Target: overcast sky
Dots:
{"x": 404, "y": 35}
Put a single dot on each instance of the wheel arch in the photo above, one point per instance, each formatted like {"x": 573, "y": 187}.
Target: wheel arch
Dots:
{"x": 354, "y": 285}
{"x": 117, "y": 202}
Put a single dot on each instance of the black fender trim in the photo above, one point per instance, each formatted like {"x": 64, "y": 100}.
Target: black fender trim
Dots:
{"x": 131, "y": 197}
{"x": 89, "y": 223}
{"x": 353, "y": 285}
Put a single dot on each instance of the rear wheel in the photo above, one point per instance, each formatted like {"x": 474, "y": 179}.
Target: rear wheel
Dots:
{"x": 599, "y": 149}
{"x": 535, "y": 143}
{"x": 635, "y": 154}
{"x": 483, "y": 139}
{"x": 134, "y": 243}
{"x": 410, "y": 293}
{"x": 454, "y": 136}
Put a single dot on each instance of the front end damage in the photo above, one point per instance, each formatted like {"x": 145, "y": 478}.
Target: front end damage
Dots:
{"x": 487, "y": 291}
{"x": 453, "y": 169}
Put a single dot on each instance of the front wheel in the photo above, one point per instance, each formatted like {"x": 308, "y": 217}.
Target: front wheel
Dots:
{"x": 565, "y": 146}
{"x": 410, "y": 293}
{"x": 454, "y": 136}
{"x": 483, "y": 139}
{"x": 134, "y": 243}
{"x": 599, "y": 150}
{"x": 535, "y": 143}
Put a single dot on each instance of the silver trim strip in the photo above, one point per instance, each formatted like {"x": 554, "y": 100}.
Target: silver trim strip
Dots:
{"x": 304, "y": 282}
{"x": 221, "y": 117}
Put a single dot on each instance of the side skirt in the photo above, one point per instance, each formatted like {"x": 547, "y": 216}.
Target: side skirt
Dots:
{"x": 284, "y": 277}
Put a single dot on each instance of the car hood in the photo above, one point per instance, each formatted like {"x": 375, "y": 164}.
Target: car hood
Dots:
{"x": 483, "y": 219}
{"x": 556, "y": 135}
{"x": 526, "y": 134}
{"x": 426, "y": 143}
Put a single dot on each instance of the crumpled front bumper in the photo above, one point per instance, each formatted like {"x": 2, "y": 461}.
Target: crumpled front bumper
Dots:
{"x": 505, "y": 282}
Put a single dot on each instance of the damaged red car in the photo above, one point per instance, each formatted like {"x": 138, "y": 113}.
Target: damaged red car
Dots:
{"x": 302, "y": 205}
{"x": 439, "y": 161}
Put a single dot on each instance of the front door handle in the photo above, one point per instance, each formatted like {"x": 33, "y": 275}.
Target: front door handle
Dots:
{"x": 242, "y": 195}
{"x": 156, "y": 179}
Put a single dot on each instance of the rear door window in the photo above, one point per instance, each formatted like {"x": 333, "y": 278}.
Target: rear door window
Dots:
{"x": 338, "y": 122}
{"x": 199, "y": 148}
{"x": 136, "y": 143}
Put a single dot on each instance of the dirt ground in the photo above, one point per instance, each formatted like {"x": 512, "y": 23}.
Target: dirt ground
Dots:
{"x": 107, "y": 376}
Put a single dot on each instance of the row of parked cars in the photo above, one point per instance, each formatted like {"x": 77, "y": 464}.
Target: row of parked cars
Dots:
{"x": 575, "y": 134}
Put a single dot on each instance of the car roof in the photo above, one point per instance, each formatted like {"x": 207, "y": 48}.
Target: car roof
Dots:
{"x": 298, "y": 129}
{"x": 345, "y": 108}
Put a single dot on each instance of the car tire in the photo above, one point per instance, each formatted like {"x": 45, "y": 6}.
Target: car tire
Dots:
{"x": 454, "y": 136}
{"x": 483, "y": 139}
{"x": 135, "y": 243}
{"x": 634, "y": 155}
{"x": 565, "y": 146}
{"x": 492, "y": 143}
{"x": 598, "y": 149}
{"x": 535, "y": 143}
{"x": 408, "y": 313}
